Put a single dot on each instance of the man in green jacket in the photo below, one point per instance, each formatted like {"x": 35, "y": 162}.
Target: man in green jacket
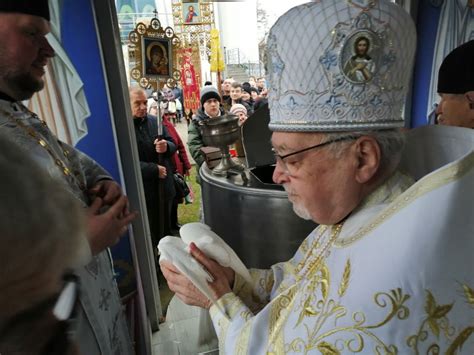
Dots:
{"x": 210, "y": 108}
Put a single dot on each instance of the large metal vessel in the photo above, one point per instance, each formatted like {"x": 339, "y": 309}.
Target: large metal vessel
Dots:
{"x": 250, "y": 212}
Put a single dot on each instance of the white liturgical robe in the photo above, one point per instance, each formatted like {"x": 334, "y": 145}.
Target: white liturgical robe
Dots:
{"x": 397, "y": 276}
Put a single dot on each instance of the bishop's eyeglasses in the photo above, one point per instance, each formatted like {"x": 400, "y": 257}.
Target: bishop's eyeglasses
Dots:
{"x": 280, "y": 159}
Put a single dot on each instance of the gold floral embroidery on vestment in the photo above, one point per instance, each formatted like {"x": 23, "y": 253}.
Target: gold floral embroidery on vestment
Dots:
{"x": 468, "y": 294}
{"x": 326, "y": 348}
{"x": 318, "y": 306}
{"x": 436, "y": 324}
{"x": 266, "y": 283}
{"x": 255, "y": 297}
{"x": 345, "y": 279}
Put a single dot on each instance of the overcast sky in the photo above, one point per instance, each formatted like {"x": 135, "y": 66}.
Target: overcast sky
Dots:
{"x": 276, "y": 8}
{"x": 246, "y": 38}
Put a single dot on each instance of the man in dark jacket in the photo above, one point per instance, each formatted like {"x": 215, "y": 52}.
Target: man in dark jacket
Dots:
{"x": 149, "y": 149}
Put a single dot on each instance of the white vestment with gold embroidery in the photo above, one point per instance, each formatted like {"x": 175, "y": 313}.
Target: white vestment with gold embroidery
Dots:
{"x": 399, "y": 278}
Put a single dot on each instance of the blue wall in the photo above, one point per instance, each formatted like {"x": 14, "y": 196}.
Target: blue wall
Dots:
{"x": 79, "y": 39}
{"x": 427, "y": 27}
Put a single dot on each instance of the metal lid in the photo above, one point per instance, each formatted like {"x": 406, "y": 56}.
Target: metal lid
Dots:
{"x": 256, "y": 139}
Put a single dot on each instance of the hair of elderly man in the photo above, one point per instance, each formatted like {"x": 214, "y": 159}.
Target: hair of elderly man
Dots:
{"x": 391, "y": 143}
{"x": 42, "y": 234}
{"x": 133, "y": 90}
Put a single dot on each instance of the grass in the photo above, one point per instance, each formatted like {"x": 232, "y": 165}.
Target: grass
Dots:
{"x": 190, "y": 212}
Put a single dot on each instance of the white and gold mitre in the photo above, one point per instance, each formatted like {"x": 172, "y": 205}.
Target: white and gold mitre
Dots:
{"x": 336, "y": 65}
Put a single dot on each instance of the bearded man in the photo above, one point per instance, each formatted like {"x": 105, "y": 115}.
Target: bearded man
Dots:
{"x": 24, "y": 52}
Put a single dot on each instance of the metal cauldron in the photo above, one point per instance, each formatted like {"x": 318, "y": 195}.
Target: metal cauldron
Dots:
{"x": 221, "y": 132}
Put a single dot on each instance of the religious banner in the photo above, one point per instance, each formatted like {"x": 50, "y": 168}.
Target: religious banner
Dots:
{"x": 189, "y": 80}
{"x": 217, "y": 59}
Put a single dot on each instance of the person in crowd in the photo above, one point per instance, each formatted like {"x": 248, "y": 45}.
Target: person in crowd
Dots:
{"x": 260, "y": 102}
{"x": 155, "y": 170}
{"x": 252, "y": 81}
{"x": 170, "y": 100}
{"x": 37, "y": 256}
{"x": 210, "y": 108}
{"x": 152, "y": 104}
{"x": 188, "y": 116}
{"x": 240, "y": 111}
{"x": 178, "y": 96}
{"x": 226, "y": 86}
{"x": 247, "y": 96}
{"x": 260, "y": 84}
{"x": 181, "y": 164}
{"x": 236, "y": 97}
{"x": 456, "y": 88}
{"x": 235, "y": 94}
{"x": 24, "y": 52}
{"x": 245, "y": 84}
{"x": 379, "y": 274}
{"x": 254, "y": 94}
{"x": 207, "y": 83}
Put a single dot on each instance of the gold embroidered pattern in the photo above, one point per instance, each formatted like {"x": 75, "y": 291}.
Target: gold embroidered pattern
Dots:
{"x": 320, "y": 249}
{"x": 327, "y": 349}
{"x": 345, "y": 279}
{"x": 279, "y": 312}
{"x": 468, "y": 294}
{"x": 288, "y": 277}
{"x": 437, "y": 323}
{"x": 256, "y": 294}
{"x": 324, "y": 309}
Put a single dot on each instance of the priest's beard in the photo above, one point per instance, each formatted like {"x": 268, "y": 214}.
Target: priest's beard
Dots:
{"x": 298, "y": 208}
{"x": 20, "y": 85}
{"x": 301, "y": 211}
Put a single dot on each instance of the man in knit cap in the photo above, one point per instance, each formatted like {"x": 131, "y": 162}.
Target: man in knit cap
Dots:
{"x": 456, "y": 88}
{"x": 389, "y": 268}
{"x": 210, "y": 108}
{"x": 24, "y": 52}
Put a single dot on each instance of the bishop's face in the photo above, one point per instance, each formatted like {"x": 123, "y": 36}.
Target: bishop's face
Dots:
{"x": 320, "y": 185}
